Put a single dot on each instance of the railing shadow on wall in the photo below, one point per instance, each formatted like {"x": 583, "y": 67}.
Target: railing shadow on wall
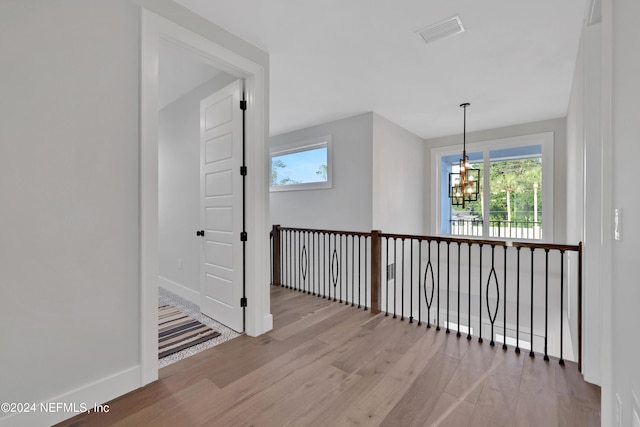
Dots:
{"x": 514, "y": 293}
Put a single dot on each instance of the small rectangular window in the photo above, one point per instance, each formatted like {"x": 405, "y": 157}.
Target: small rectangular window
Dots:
{"x": 301, "y": 166}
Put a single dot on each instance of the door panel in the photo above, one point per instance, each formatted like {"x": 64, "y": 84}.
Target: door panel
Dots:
{"x": 221, "y": 205}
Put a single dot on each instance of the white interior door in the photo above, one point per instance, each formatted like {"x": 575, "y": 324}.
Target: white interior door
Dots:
{"x": 221, "y": 206}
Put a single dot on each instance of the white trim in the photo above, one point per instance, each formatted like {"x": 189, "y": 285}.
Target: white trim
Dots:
{"x": 155, "y": 28}
{"x": 297, "y": 147}
{"x": 546, "y": 139}
{"x": 178, "y": 289}
{"x": 97, "y": 393}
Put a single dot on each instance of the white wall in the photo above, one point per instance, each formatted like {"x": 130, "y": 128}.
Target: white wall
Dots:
{"x": 345, "y": 206}
{"x": 626, "y": 152}
{"x": 179, "y": 189}
{"x": 557, "y": 126}
{"x": 584, "y": 208}
{"x": 69, "y": 185}
{"x": 398, "y": 187}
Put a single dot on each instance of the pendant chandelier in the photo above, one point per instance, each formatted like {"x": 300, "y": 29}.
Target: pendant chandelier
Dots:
{"x": 464, "y": 185}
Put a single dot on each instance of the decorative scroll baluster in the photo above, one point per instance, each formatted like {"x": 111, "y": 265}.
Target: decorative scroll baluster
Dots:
{"x": 304, "y": 265}
{"x": 492, "y": 318}
{"x": 335, "y": 268}
{"x": 429, "y": 300}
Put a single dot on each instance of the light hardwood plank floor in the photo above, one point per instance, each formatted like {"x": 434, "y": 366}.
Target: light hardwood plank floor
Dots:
{"x": 328, "y": 364}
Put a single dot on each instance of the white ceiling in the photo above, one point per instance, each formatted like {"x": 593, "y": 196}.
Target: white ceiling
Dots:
{"x": 179, "y": 72}
{"x": 334, "y": 58}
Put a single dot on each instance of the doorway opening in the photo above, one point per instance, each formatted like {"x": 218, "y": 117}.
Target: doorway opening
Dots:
{"x": 199, "y": 148}
{"x": 230, "y": 60}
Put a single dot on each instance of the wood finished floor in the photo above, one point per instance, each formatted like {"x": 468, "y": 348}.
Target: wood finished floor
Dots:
{"x": 327, "y": 364}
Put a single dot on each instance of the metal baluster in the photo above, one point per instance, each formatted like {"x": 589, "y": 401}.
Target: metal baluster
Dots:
{"x": 469, "y": 295}
{"x": 365, "y": 273}
{"x": 359, "y": 269}
{"x": 395, "y": 277}
{"x": 402, "y": 290}
{"x": 518, "y": 300}
{"x": 504, "y": 344}
{"x": 318, "y": 263}
{"x": 438, "y": 294}
{"x": 531, "y": 353}
{"x": 480, "y": 298}
{"x": 324, "y": 265}
{"x": 546, "y": 302}
{"x": 289, "y": 280}
{"x": 561, "y": 302}
{"x": 296, "y": 255}
{"x": 458, "y": 333}
{"x": 411, "y": 283}
{"x": 387, "y": 261}
{"x": 340, "y": 275}
{"x": 346, "y": 268}
{"x": 352, "y": 270}
{"x": 448, "y": 280}
{"x": 419, "y": 274}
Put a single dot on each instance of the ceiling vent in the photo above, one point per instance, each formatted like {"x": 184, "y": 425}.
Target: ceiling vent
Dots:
{"x": 442, "y": 30}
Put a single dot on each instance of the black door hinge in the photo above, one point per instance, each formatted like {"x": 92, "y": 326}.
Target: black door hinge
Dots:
{"x": 243, "y": 170}
{"x": 243, "y": 302}
{"x": 243, "y": 105}
{"x": 243, "y": 236}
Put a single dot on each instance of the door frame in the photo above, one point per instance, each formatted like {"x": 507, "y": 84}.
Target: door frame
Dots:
{"x": 257, "y": 312}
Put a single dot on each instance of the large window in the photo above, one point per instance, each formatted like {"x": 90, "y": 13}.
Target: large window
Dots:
{"x": 516, "y": 189}
{"x": 301, "y": 166}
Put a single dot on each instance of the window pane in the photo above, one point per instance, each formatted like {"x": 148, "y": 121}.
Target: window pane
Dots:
{"x": 467, "y": 220}
{"x": 515, "y": 184}
{"x": 300, "y": 167}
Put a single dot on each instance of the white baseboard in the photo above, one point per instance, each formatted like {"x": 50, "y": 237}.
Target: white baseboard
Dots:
{"x": 267, "y": 323}
{"x": 77, "y": 401}
{"x": 180, "y": 290}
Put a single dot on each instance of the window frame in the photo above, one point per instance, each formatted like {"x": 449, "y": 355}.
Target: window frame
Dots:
{"x": 545, "y": 139}
{"x": 298, "y": 147}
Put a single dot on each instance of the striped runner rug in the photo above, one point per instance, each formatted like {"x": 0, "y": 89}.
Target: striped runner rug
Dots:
{"x": 177, "y": 331}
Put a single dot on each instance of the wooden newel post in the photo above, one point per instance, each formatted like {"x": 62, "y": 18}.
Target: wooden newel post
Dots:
{"x": 277, "y": 278}
{"x": 376, "y": 261}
